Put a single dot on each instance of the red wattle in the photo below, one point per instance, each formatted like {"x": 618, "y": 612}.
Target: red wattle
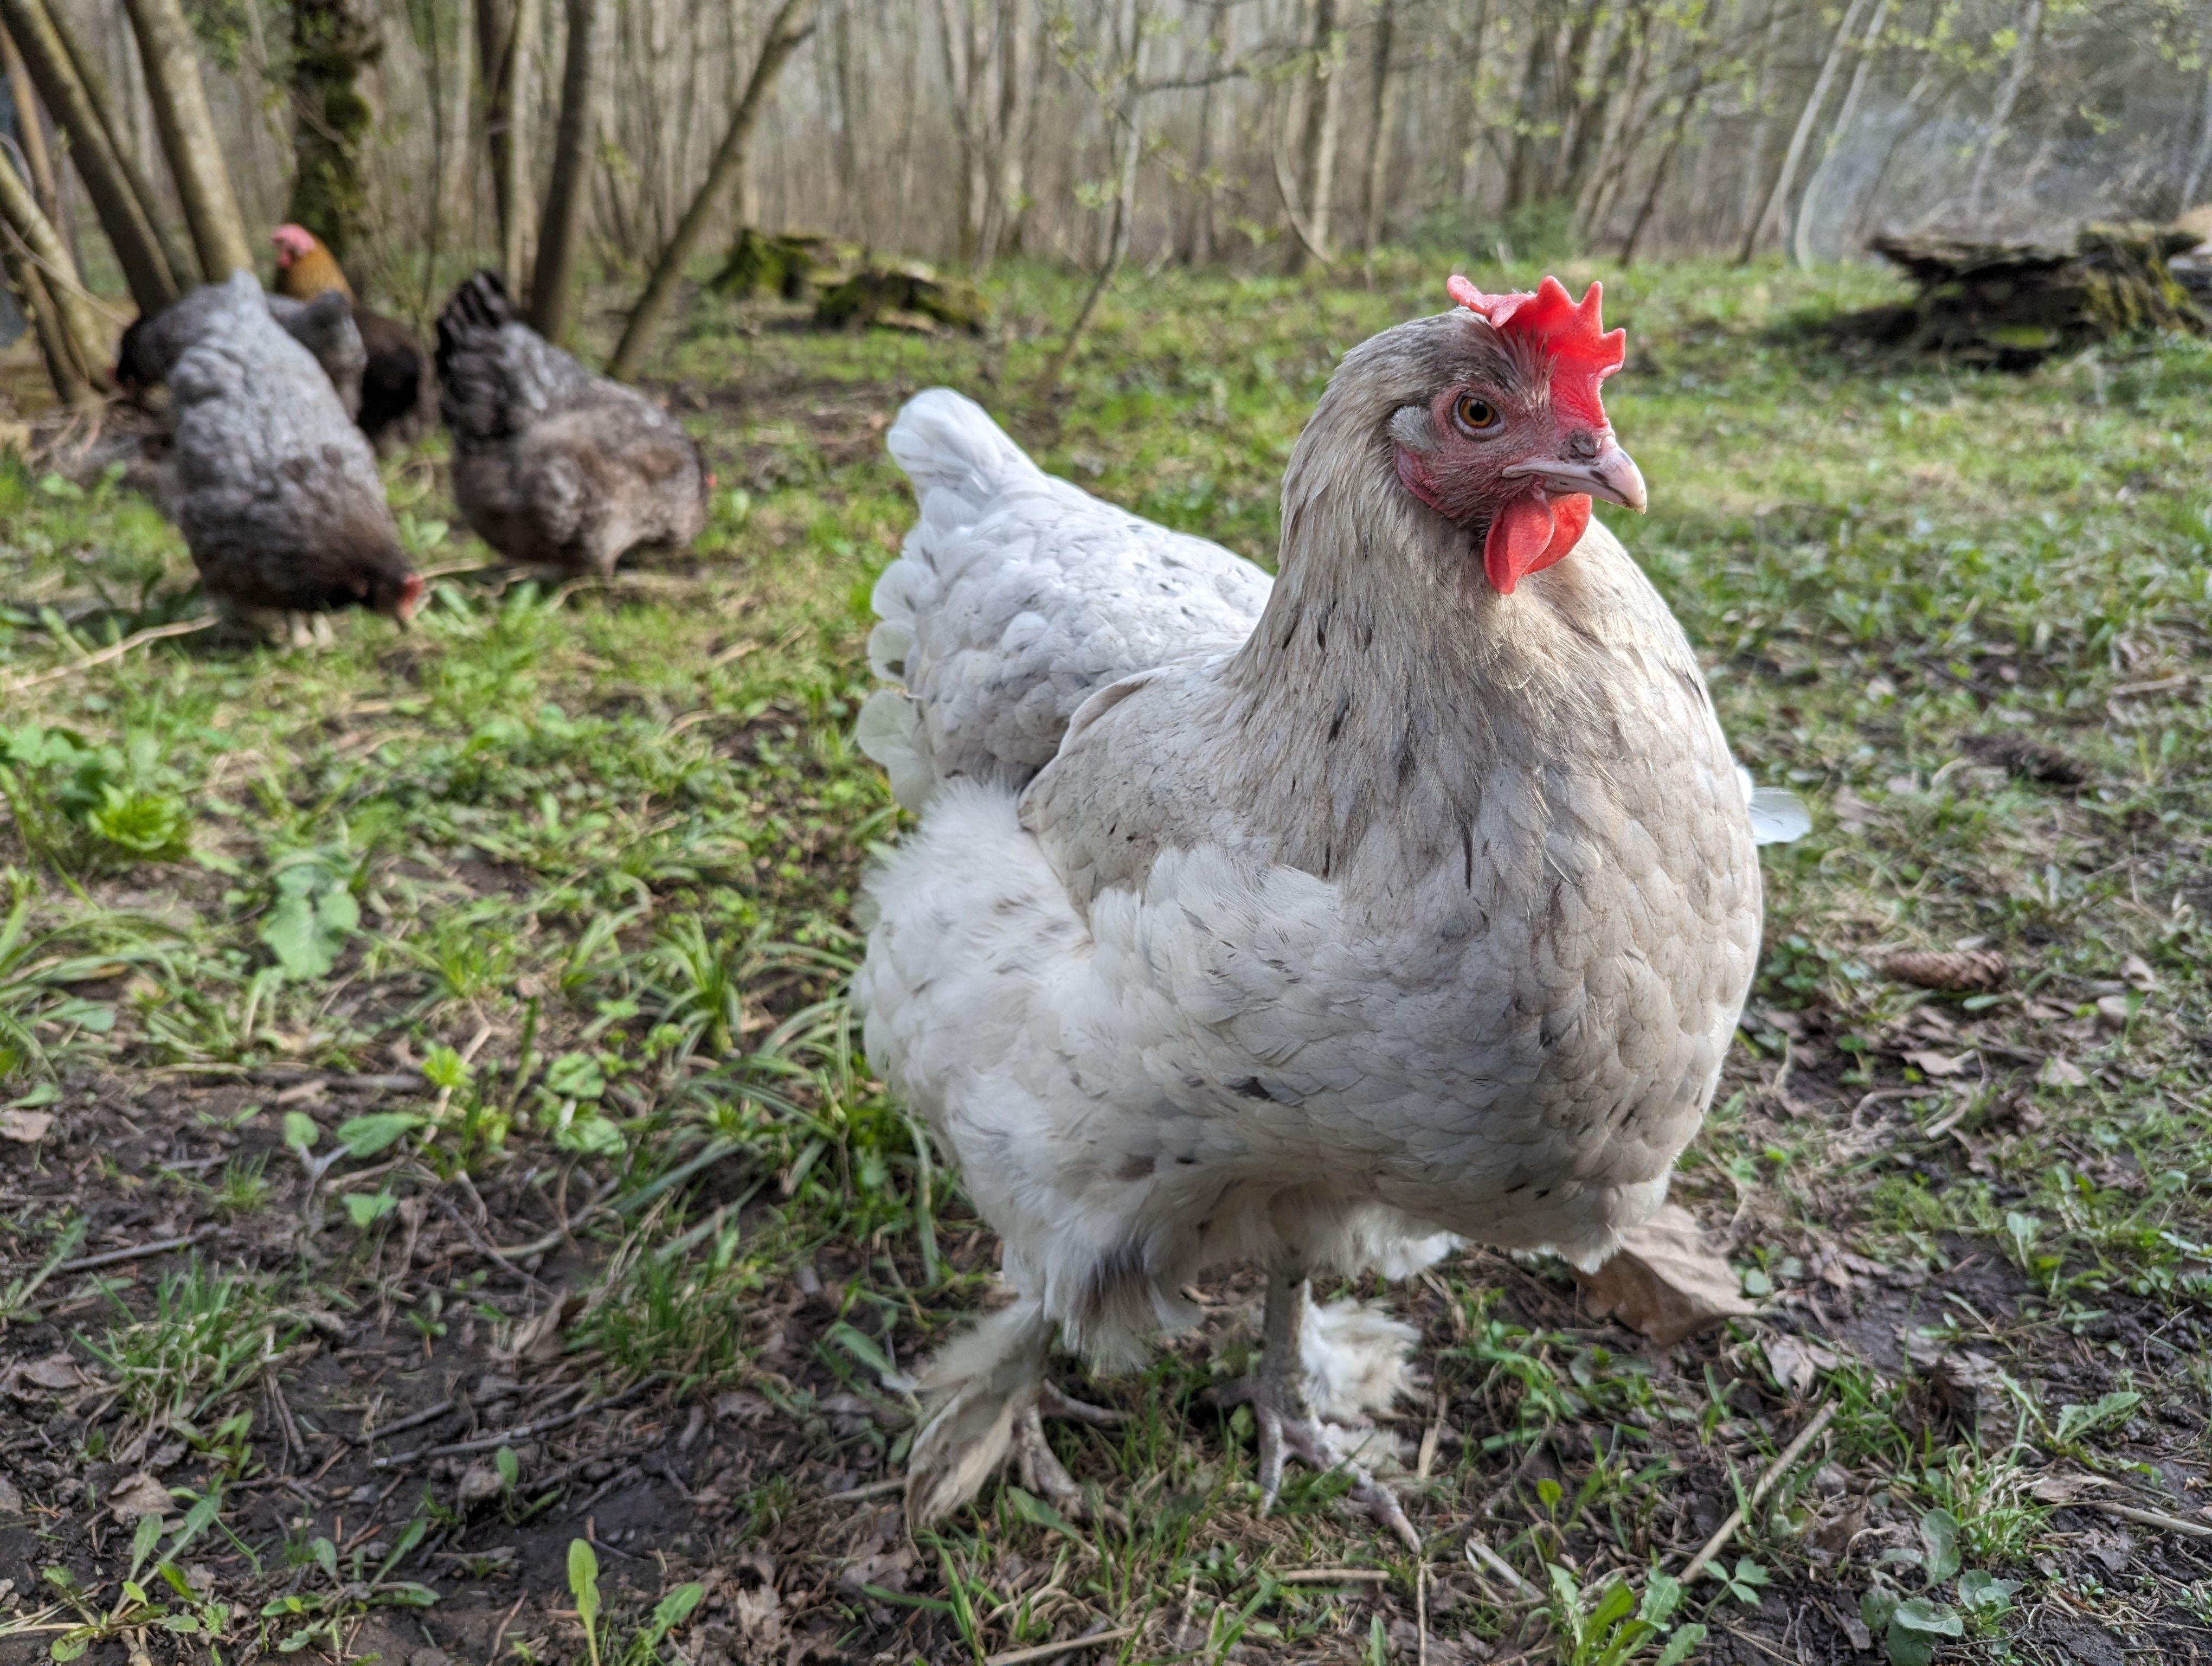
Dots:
{"x": 1528, "y": 535}
{"x": 1519, "y": 538}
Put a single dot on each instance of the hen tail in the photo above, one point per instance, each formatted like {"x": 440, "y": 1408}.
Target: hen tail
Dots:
{"x": 959, "y": 460}
{"x": 474, "y": 396}
{"x": 946, "y": 443}
{"x": 1015, "y": 597}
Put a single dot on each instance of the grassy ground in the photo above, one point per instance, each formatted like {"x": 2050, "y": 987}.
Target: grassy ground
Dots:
{"x": 435, "y": 1138}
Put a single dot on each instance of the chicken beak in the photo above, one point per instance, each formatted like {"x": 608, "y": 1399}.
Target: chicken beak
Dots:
{"x": 1612, "y": 475}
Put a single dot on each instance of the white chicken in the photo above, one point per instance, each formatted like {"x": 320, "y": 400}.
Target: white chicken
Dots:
{"x": 1407, "y": 899}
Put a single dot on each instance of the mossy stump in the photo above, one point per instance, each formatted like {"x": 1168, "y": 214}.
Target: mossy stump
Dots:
{"x": 902, "y": 297}
{"x": 791, "y": 265}
{"x": 2010, "y": 305}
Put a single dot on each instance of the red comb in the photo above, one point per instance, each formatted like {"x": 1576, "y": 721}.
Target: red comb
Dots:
{"x": 1583, "y": 353}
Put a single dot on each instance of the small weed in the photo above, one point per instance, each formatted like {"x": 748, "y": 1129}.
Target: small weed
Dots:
{"x": 1999, "y": 1521}
{"x": 244, "y": 1188}
{"x": 171, "y": 1606}
{"x": 643, "y": 1648}
{"x": 322, "y": 1616}
{"x": 210, "y": 1334}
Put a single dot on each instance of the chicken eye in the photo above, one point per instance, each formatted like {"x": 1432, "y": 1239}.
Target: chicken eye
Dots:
{"x": 1475, "y": 415}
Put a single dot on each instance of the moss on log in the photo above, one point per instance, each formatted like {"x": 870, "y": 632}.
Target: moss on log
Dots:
{"x": 2009, "y": 305}
{"x": 910, "y": 297}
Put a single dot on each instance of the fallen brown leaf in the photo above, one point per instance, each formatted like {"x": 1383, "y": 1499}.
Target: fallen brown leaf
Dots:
{"x": 538, "y": 1339}
{"x": 481, "y": 1481}
{"x": 1794, "y": 1361}
{"x": 26, "y": 1128}
{"x": 137, "y": 1495}
{"x": 1940, "y": 1064}
{"x": 1666, "y": 1280}
{"x": 2060, "y": 1072}
{"x": 57, "y": 1371}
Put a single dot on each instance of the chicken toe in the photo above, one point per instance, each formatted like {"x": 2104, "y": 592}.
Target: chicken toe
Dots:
{"x": 1281, "y": 1401}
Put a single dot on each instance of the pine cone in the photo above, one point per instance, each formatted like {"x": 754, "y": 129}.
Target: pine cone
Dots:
{"x": 1965, "y": 971}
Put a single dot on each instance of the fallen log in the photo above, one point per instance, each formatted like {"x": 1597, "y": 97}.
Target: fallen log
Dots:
{"x": 2010, "y": 305}
{"x": 902, "y": 297}
{"x": 792, "y": 264}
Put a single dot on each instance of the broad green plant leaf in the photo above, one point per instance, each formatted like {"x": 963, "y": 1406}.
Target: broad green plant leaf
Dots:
{"x": 365, "y": 1136}
{"x": 1939, "y": 1531}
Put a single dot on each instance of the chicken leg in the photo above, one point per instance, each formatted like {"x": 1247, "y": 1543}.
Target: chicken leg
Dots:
{"x": 1039, "y": 1466}
{"x": 988, "y": 1399}
{"x": 1282, "y": 1406}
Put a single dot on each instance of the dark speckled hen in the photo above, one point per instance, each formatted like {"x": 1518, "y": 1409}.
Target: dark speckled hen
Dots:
{"x": 552, "y": 464}
{"x": 275, "y": 489}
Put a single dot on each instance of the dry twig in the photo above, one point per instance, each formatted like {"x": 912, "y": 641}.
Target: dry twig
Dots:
{"x": 113, "y": 651}
{"x": 1775, "y": 1472}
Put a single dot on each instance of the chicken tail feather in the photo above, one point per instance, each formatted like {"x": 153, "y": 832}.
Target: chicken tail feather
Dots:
{"x": 1778, "y": 816}
{"x": 946, "y": 442}
{"x": 889, "y": 730}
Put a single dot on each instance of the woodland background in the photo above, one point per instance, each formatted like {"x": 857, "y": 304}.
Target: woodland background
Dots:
{"x": 1253, "y": 131}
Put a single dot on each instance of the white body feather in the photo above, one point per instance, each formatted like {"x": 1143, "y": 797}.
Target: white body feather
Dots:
{"x": 1199, "y": 991}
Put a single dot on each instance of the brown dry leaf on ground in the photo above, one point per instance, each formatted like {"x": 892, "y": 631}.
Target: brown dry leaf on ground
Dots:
{"x": 1666, "y": 1280}
{"x": 56, "y": 1372}
{"x": 137, "y": 1495}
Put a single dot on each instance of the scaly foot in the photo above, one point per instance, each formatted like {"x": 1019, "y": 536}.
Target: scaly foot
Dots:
{"x": 1289, "y": 1429}
{"x": 1277, "y": 1394}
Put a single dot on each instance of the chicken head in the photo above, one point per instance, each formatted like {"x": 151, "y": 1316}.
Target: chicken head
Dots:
{"x": 1515, "y": 443}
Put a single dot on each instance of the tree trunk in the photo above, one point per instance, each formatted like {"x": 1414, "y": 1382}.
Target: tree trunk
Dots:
{"x": 30, "y": 130}
{"x": 1126, "y": 116}
{"x": 2029, "y": 38}
{"x": 561, "y": 229}
{"x": 1559, "y": 179}
{"x": 1382, "y": 113}
{"x": 1778, "y": 200}
{"x": 1461, "y": 90}
{"x": 124, "y": 213}
{"x": 1521, "y": 172}
{"x": 139, "y": 161}
{"x": 1659, "y": 171}
{"x": 1198, "y": 227}
{"x": 963, "y": 68}
{"x": 334, "y": 42}
{"x": 2200, "y": 159}
{"x": 63, "y": 373}
{"x": 845, "y": 143}
{"x": 1604, "y": 131}
{"x": 517, "y": 225}
{"x": 1749, "y": 200}
{"x": 1002, "y": 209}
{"x": 188, "y": 137}
{"x": 1801, "y": 243}
{"x": 792, "y": 21}
{"x": 1317, "y": 147}
{"x": 49, "y": 287}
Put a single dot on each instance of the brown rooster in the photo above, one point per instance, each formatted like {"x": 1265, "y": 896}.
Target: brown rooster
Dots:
{"x": 398, "y": 401}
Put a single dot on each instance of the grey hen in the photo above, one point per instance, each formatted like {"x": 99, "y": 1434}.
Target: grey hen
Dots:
{"x": 552, "y": 464}
{"x": 275, "y": 490}
{"x": 1407, "y": 898}
{"x": 151, "y": 347}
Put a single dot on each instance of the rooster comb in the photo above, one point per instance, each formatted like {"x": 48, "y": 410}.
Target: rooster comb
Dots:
{"x": 1583, "y": 353}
